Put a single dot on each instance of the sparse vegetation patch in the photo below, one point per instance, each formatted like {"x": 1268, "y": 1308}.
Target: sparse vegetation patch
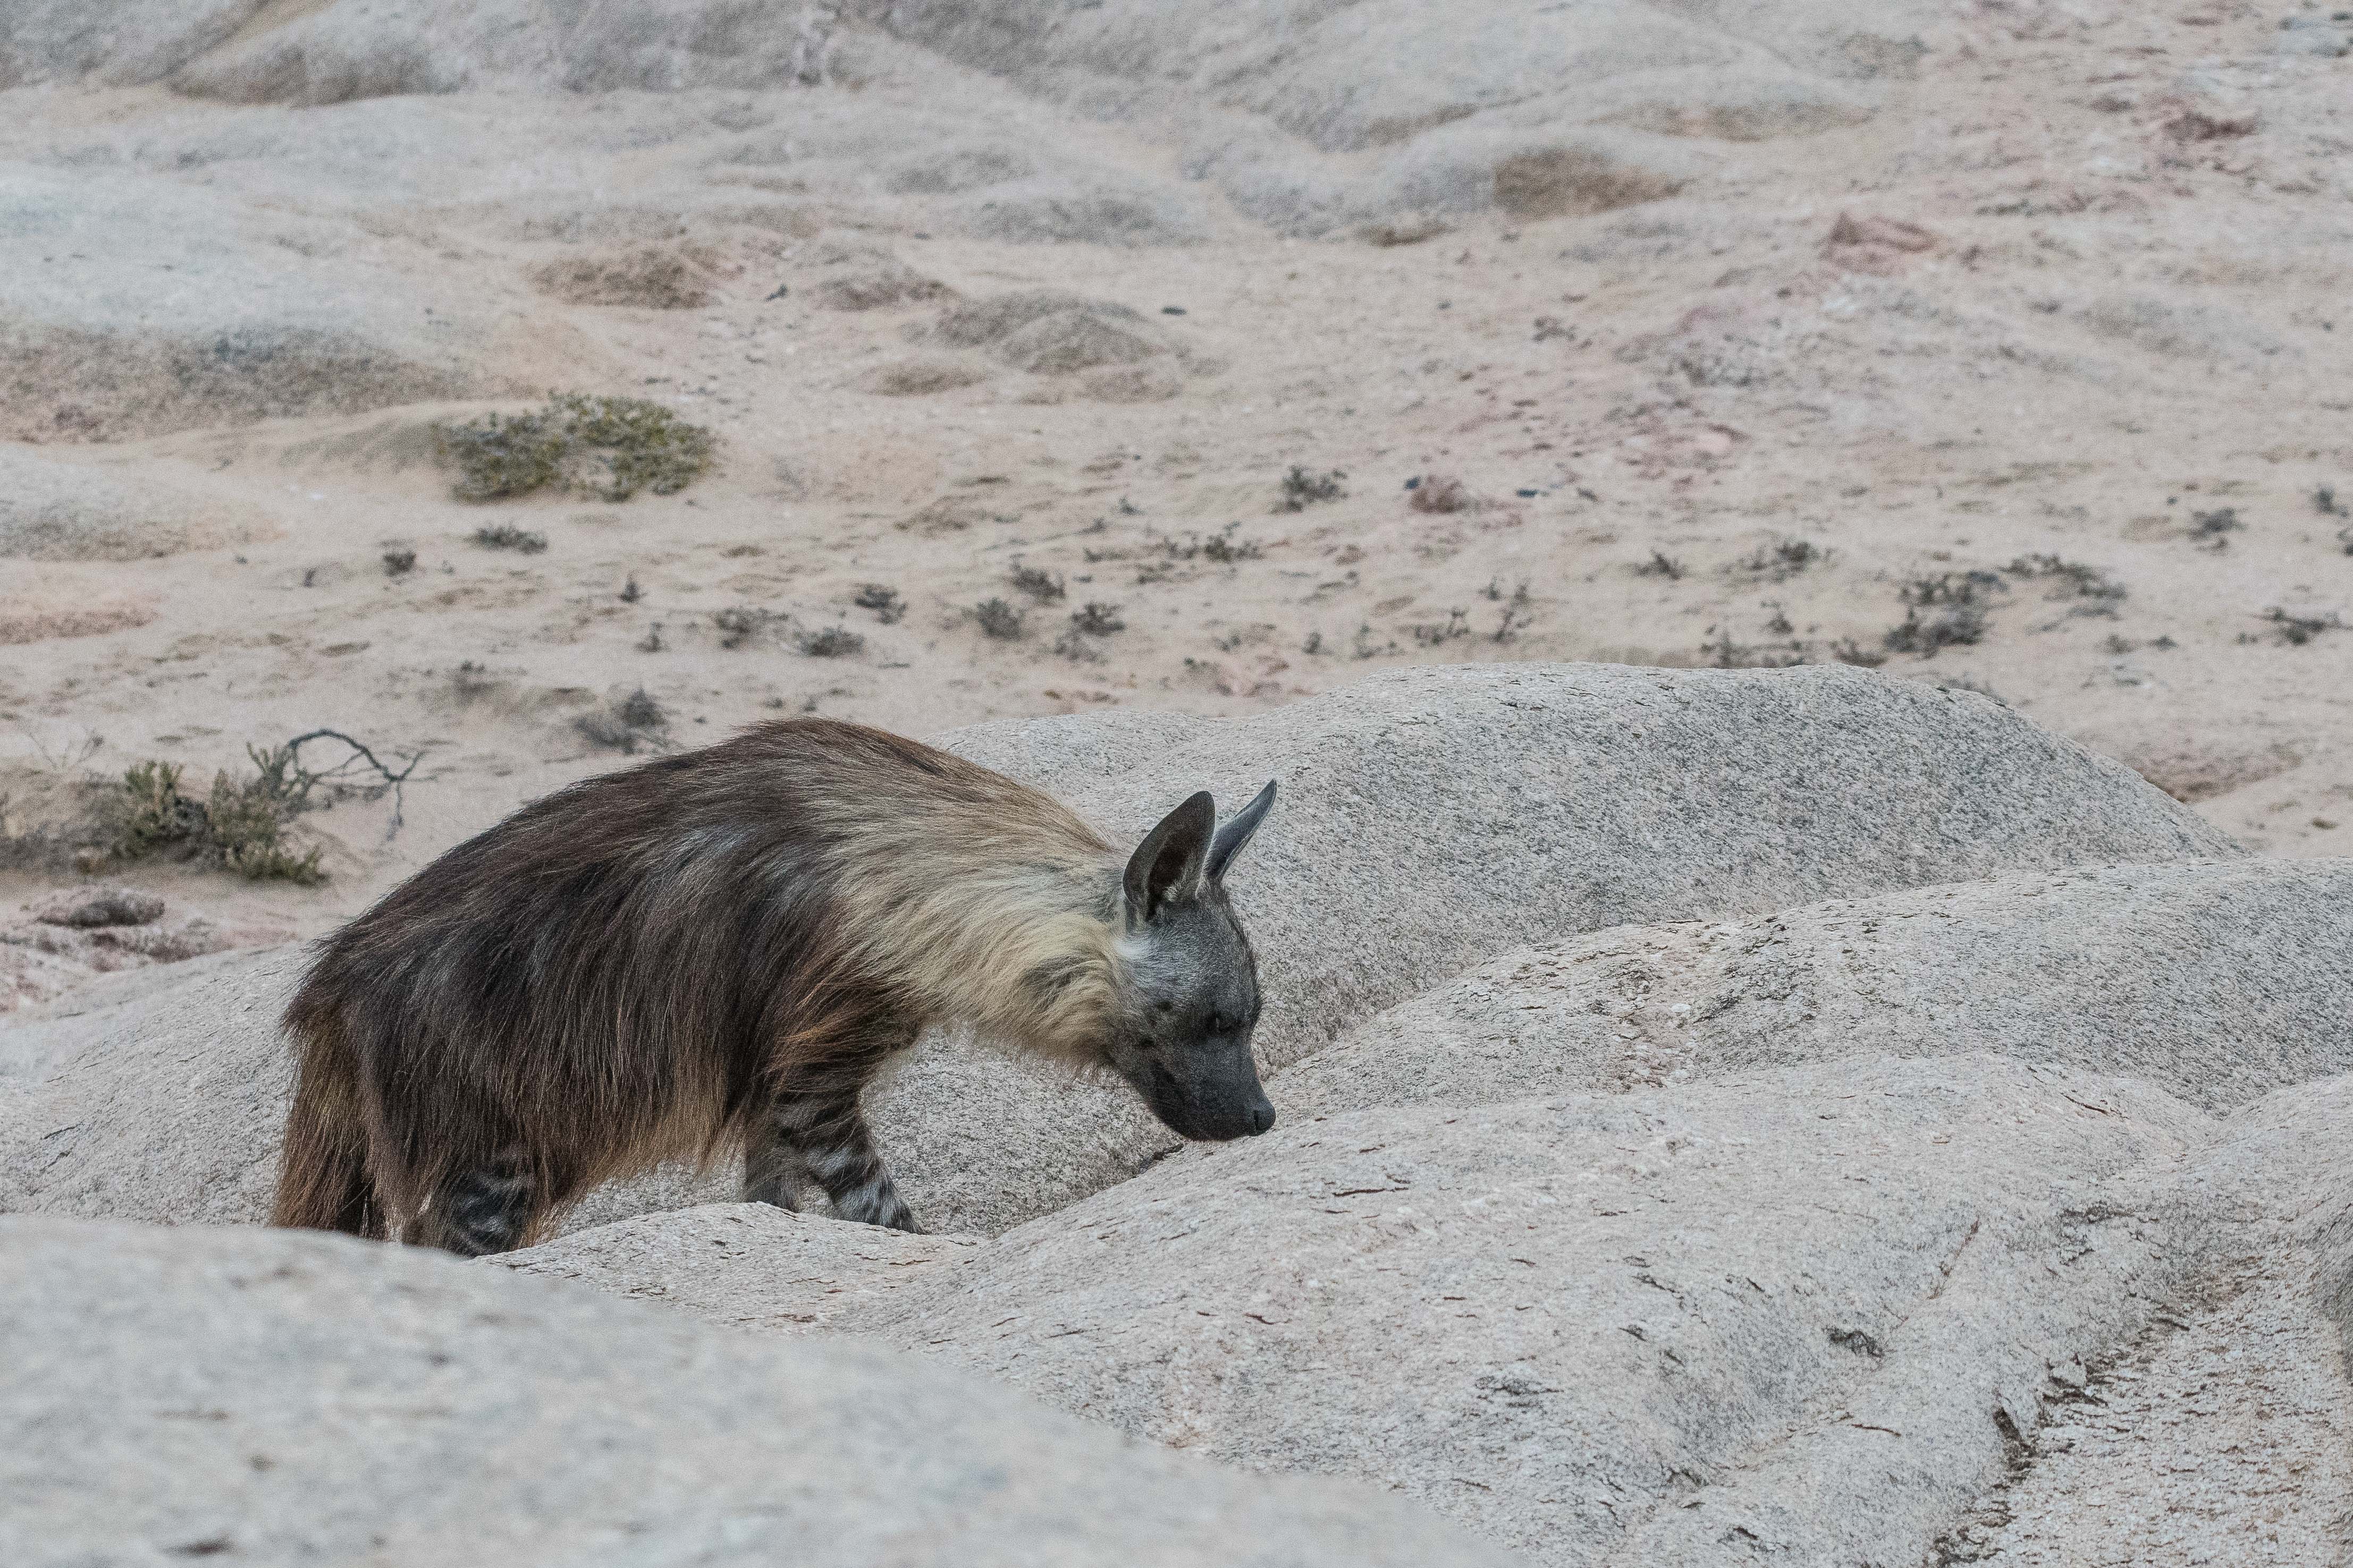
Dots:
{"x": 831, "y": 642}
{"x": 507, "y": 536}
{"x": 2073, "y": 580}
{"x": 883, "y": 600}
{"x": 240, "y": 824}
{"x": 610, "y": 448}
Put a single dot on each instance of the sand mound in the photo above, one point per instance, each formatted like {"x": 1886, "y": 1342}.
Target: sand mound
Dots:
{"x": 922, "y": 377}
{"x": 651, "y": 278}
{"x": 139, "y": 305}
{"x": 52, "y": 511}
{"x": 1051, "y": 333}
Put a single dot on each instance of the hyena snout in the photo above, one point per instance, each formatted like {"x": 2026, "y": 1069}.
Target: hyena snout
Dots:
{"x": 1210, "y": 1100}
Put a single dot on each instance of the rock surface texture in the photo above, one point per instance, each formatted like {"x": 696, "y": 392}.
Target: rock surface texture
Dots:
{"x": 265, "y": 1398}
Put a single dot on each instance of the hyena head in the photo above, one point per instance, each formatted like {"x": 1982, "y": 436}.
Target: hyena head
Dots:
{"x": 1181, "y": 1033}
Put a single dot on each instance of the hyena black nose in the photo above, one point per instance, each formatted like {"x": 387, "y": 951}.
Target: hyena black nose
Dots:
{"x": 1260, "y": 1116}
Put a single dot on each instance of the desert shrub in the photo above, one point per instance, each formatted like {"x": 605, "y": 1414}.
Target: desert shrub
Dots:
{"x": 610, "y": 448}
{"x": 1784, "y": 558}
{"x": 241, "y": 827}
{"x": 1036, "y": 582}
{"x": 399, "y": 562}
{"x": 507, "y": 536}
{"x": 883, "y": 600}
{"x": 739, "y": 624}
{"x": 832, "y": 642}
{"x": 1097, "y": 619}
{"x": 1440, "y": 492}
{"x": 1457, "y": 625}
{"x": 1958, "y": 626}
{"x": 998, "y": 619}
{"x": 2212, "y": 527}
{"x": 635, "y": 721}
{"x": 2073, "y": 580}
{"x": 1301, "y": 489}
{"x": 1662, "y": 564}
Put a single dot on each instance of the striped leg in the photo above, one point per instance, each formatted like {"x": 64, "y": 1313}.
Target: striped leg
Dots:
{"x": 476, "y": 1212}
{"x": 830, "y": 1134}
{"x": 774, "y": 1170}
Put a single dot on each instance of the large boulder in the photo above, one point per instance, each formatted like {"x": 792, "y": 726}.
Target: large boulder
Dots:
{"x": 1811, "y": 1312}
{"x": 2218, "y": 981}
{"x": 1427, "y": 820}
{"x": 273, "y": 1399}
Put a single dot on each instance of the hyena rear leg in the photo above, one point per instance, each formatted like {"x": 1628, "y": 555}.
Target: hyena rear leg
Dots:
{"x": 487, "y": 1209}
{"x": 815, "y": 1130}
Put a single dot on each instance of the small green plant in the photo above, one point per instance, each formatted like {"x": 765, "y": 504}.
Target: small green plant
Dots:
{"x": 738, "y": 625}
{"x": 610, "y": 448}
{"x": 507, "y": 536}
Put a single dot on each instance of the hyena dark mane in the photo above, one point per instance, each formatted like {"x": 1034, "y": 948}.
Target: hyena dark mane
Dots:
{"x": 715, "y": 951}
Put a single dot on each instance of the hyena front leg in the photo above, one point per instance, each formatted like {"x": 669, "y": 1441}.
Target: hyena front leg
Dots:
{"x": 828, "y": 1132}
{"x": 476, "y": 1212}
{"x": 815, "y": 1130}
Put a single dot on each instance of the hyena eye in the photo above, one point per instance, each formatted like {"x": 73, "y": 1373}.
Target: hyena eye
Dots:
{"x": 1222, "y": 1023}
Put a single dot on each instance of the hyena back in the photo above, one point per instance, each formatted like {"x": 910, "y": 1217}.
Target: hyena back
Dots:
{"x": 715, "y": 951}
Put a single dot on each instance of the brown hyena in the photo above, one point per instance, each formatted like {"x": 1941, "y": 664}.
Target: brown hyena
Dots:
{"x": 716, "y": 951}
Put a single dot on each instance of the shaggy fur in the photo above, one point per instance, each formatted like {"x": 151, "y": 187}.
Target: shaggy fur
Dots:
{"x": 715, "y": 951}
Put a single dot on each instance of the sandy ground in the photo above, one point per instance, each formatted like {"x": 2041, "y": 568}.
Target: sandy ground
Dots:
{"x": 2079, "y": 292}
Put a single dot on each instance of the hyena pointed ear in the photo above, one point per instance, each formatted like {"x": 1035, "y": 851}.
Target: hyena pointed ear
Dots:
{"x": 1237, "y": 833}
{"x": 1166, "y": 866}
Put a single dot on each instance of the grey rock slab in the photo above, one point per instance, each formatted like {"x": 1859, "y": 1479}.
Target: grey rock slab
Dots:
{"x": 1795, "y": 1311}
{"x": 275, "y": 1398}
{"x": 722, "y": 1261}
{"x": 2218, "y": 981}
{"x": 165, "y": 1107}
